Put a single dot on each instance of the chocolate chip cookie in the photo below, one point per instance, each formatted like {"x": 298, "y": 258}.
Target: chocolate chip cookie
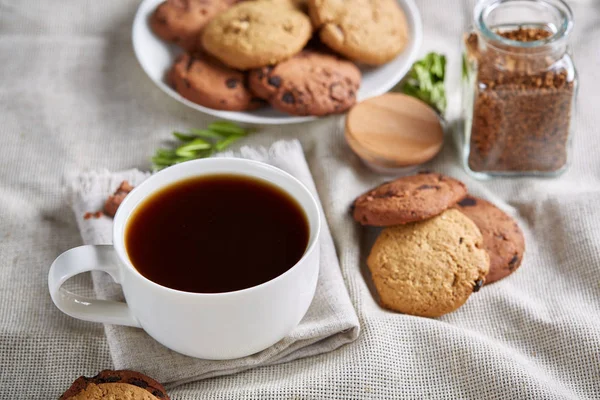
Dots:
{"x": 502, "y": 237}
{"x": 181, "y": 21}
{"x": 408, "y": 199}
{"x": 368, "y": 31}
{"x": 429, "y": 268}
{"x": 116, "y": 383}
{"x": 256, "y": 33}
{"x": 206, "y": 81}
{"x": 310, "y": 83}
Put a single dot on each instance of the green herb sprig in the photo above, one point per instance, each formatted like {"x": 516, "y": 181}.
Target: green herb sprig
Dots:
{"x": 199, "y": 143}
{"x": 426, "y": 81}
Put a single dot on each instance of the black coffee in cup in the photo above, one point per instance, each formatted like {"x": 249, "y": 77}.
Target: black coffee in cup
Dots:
{"x": 216, "y": 233}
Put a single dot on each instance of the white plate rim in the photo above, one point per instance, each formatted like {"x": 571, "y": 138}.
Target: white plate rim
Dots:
{"x": 140, "y": 21}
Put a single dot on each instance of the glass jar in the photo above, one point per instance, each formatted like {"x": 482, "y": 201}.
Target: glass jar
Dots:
{"x": 519, "y": 89}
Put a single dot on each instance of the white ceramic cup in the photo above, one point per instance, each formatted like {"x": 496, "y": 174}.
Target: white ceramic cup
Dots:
{"x": 214, "y": 326}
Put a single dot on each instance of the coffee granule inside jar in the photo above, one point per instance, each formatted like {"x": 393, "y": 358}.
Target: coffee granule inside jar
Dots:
{"x": 521, "y": 108}
{"x": 525, "y": 34}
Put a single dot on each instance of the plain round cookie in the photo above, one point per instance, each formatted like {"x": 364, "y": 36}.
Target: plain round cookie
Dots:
{"x": 107, "y": 376}
{"x": 429, "y": 268}
{"x": 369, "y": 31}
{"x": 207, "y": 82}
{"x": 181, "y": 21}
{"x": 408, "y": 199}
{"x": 502, "y": 237}
{"x": 256, "y": 33}
{"x": 310, "y": 83}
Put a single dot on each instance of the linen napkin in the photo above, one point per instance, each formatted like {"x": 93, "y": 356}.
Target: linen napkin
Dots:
{"x": 330, "y": 322}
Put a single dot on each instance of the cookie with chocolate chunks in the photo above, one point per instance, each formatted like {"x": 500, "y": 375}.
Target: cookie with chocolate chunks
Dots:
{"x": 429, "y": 268}
{"x": 310, "y": 83}
{"x": 181, "y": 21}
{"x": 408, "y": 199}
{"x": 502, "y": 237}
{"x": 124, "y": 382}
{"x": 206, "y": 81}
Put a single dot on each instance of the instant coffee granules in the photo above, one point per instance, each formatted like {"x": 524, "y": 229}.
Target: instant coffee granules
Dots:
{"x": 520, "y": 85}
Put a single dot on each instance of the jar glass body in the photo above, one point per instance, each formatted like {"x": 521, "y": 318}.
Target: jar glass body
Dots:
{"x": 519, "y": 89}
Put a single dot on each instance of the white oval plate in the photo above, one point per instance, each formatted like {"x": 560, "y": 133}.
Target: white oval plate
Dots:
{"x": 156, "y": 57}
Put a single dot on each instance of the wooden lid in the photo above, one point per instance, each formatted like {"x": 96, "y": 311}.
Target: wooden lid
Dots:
{"x": 394, "y": 130}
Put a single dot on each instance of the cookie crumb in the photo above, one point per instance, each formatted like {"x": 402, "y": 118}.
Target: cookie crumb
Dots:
{"x": 113, "y": 202}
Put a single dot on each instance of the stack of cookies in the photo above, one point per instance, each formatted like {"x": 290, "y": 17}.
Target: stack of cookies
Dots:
{"x": 439, "y": 244}
{"x": 243, "y": 55}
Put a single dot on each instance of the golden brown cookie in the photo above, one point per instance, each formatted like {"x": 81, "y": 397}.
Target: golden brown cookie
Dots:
{"x": 113, "y": 391}
{"x": 206, "y": 81}
{"x": 104, "y": 382}
{"x": 310, "y": 83}
{"x": 369, "y": 31}
{"x": 429, "y": 268}
{"x": 256, "y": 33}
{"x": 502, "y": 237}
{"x": 181, "y": 21}
{"x": 408, "y": 199}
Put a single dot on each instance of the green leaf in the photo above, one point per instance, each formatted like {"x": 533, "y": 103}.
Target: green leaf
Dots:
{"x": 224, "y": 124}
{"x": 163, "y": 161}
{"x": 166, "y": 153}
{"x": 227, "y": 128}
{"x": 163, "y": 158}
{"x": 205, "y": 133}
{"x": 410, "y": 90}
{"x": 222, "y": 144}
{"x": 438, "y": 66}
{"x": 199, "y": 143}
{"x": 196, "y": 144}
{"x": 184, "y": 159}
{"x": 185, "y": 153}
{"x": 426, "y": 81}
{"x": 438, "y": 96}
{"x": 205, "y": 153}
{"x": 183, "y": 136}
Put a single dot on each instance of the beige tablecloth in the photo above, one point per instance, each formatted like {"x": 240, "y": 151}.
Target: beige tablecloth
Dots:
{"x": 72, "y": 97}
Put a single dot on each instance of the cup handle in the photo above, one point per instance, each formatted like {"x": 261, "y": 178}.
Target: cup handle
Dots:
{"x": 83, "y": 259}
